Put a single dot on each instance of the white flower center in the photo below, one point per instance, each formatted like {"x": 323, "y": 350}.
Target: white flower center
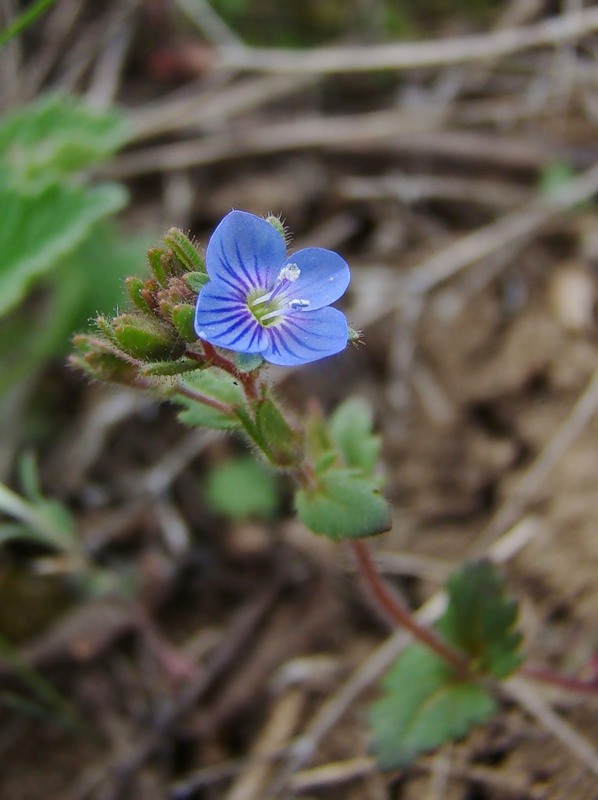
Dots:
{"x": 271, "y": 306}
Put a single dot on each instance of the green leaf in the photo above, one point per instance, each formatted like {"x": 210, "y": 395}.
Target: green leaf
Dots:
{"x": 24, "y": 20}
{"x": 480, "y": 619}
{"x": 343, "y": 505}
{"x": 42, "y": 142}
{"x": 282, "y": 442}
{"x": 242, "y": 488}
{"x": 45, "y": 521}
{"x": 423, "y": 706}
{"x": 86, "y": 283}
{"x": 351, "y": 431}
{"x": 38, "y": 231}
{"x": 219, "y": 385}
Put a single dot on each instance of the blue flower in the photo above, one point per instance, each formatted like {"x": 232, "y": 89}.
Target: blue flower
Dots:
{"x": 259, "y": 301}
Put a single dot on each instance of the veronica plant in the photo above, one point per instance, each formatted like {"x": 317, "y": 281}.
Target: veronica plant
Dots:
{"x": 201, "y": 333}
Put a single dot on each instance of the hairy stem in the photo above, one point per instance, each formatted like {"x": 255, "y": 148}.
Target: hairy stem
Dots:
{"x": 402, "y": 616}
{"x": 246, "y": 379}
{"x": 186, "y": 391}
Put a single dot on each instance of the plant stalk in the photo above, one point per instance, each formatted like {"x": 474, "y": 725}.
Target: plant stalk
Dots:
{"x": 402, "y": 616}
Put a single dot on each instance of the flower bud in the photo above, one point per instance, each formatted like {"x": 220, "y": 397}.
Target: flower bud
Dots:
{"x": 102, "y": 363}
{"x": 183, "y": 317}
{"x": 138, "y": 292}
{"x": 184, "y": 250}
{"x": 145, "y": 338}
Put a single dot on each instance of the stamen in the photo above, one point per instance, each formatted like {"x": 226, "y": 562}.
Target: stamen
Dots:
{"x": 271, "y": 315}
{"x": 298, "y": 305}
{"x": 263, "y": 299}
{"x": 290, "y": 272}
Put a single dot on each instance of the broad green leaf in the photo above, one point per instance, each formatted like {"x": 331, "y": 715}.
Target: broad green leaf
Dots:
{"x": 423, "y": 706}
{"x": 351, "y": 430}
{"x": 42, "y": 142}
{"x": 218, "y": 385}
{"x": 38, "y": 231}
{"x": 344, "y": 505}
{"x": 480, "y": 619}
{"x": 99, "y": 266}
{"x": 87, "y": 283}
{"x": 242, "y": 488}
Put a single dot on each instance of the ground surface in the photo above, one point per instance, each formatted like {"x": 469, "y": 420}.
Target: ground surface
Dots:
{"x": 476, "y": 290}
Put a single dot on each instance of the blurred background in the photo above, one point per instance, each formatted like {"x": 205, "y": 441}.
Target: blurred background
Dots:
{"x": 167, "y": 629}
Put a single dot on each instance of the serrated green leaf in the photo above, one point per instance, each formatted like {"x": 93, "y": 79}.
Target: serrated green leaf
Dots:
{"x": 242, "y": 488}
{"x": 480, "y": 618}
{"x": 37, "y": 231}
{"x": 42, "y": 142}
{"x": 423, "y": 706}
{"x": 344, "y": 505}
{"x": 219, "y": 385}
{"x": 351, "y": 431}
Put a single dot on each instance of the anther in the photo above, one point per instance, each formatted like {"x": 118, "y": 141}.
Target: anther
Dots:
{"x": 297, "y": 305}
{"x": 290, "y": 272}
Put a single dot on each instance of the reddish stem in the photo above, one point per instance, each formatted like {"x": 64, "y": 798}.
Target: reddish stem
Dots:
{"x": 246, "y": 379}
{"x": 186, "y": 391}
{"x": 568, "y": 682}
{"x": 401, "y": 615}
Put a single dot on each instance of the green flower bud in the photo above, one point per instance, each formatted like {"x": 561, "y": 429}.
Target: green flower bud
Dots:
{"x": 146, "y": 339}
{"x": 155, "y": 257}
{"x": 182, "y": 317}
{"x": 138, "y": 292}
{"x": 184, "y": 250}
{"x": 99, "y": 361}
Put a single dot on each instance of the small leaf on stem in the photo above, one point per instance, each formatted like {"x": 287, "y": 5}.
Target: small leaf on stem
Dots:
{"x": 219, "y": 385}
{"x": 480, "y": 620}
{"x": 424, "y": 705}
{"x": 343, "y": 505}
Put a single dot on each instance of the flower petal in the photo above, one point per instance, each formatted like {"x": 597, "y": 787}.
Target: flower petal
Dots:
{"x": 305, "y": 337}
{"x": 245, "y": 252}
{"x": 324, "y": 277}
{"x": 222, "y": 318}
